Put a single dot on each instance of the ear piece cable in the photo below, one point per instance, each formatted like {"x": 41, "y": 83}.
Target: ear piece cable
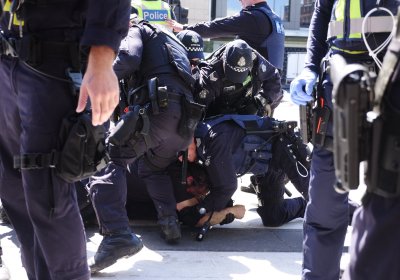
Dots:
{"x": 374, "y": 53}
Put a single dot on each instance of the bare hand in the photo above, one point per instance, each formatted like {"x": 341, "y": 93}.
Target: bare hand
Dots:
{"x": 176, "y": 26}
{"x": 100, "y": 84}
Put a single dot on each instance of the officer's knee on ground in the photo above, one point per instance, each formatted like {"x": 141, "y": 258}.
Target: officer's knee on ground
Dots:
{"x": 271, "y": 216}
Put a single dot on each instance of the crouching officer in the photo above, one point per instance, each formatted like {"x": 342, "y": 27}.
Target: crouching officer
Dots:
{"x": 236, "y": 79}
{"x": 233, "y": 145}
{"x": 159, "y": 123}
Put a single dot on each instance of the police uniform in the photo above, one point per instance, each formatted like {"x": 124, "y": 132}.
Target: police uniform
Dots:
{"x": 221, "y": 96}
{"x": 326, "y": 217}
{"x": 35, "y": 96}
{"x": 374, "y": 245}
{"x": 145, "y": 53}
{"x": 268, "y": 40}
{"x": 229, "y": 146}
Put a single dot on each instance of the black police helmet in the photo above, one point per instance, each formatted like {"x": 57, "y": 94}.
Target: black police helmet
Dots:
{"x": 193, "y": 43}
{"x": 237, "y": 60}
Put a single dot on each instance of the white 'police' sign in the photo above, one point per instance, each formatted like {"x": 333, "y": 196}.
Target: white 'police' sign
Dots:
{"x": 155, "y": 15}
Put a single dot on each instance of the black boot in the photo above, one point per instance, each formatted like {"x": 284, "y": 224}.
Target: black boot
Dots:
{"x": 251, "y": 188}
{"x": 113, "y": 247}
{"x": 170, "y": 229}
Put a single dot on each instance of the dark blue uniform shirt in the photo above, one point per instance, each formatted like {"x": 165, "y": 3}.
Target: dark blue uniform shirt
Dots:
{"x": 246, "y": 25}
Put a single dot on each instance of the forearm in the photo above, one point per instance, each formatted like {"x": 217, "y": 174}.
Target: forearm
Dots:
{"x": 317, "y": 47}
{"x": 217, "y": 217}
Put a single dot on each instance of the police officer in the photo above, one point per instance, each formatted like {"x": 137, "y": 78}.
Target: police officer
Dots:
{"x": 256, "y": 24}
{"x": 153, "y": 11}
{"x": 40, "y": 43}
{"x": 376, "y": 224}
{"x": 194, "y": 45}
{"x": 233, "y": 145}
{"x": 235, "y": 79}
{"x": 335, "y": 28}
{"x": 157, "y": 67}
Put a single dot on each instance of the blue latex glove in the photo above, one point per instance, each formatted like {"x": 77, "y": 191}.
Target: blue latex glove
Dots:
{"x": 301, "y": 88}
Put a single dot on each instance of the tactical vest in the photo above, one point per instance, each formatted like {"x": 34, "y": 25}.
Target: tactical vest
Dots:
{"x": 155, "y": 12}
{"x": 344, "y": 33}
{"x": 255, "y": 149}
{"x": 163, "y": 54}
{"x": 273, "y": 47}
{"x": 32, "y": 16}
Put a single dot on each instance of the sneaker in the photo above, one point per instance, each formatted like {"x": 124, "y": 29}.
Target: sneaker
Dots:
{"x": 114, "y": 247}
{"x": 170, "y": 229}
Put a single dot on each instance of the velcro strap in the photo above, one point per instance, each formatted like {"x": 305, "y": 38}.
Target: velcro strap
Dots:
{"x": 372, "y": 25}
{"x": 35, "y": 161}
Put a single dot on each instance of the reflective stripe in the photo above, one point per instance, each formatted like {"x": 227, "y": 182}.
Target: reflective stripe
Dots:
{"x": 347, "y": 51}
{"x": 372, "y": 25}
{"x": 155, "y": 12}
{"x": 355, "y": 13}
{"x": 340, "y": 15}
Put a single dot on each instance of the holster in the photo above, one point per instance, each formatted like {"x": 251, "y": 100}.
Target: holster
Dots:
{"x": 192, "y": 113}
{"x": 352, "y": 96}
{"x": 130, "y": 126}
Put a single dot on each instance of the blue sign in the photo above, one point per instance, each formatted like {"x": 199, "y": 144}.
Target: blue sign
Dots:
{"x": 155, "y": 15}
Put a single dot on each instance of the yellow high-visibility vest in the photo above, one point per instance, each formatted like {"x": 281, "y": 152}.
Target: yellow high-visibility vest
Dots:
{"x": 347, "y": 19}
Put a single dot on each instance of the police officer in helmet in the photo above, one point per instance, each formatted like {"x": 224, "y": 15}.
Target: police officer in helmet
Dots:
{"x": 335, "y": 28}
{"x": 153, "y": 132}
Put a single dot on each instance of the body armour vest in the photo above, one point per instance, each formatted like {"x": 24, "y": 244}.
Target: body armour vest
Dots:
{"x": 163, "y": 54}
{"x": 254, "y": 153}
{"x": 349, "y": 14}
{"x": 274, "y": 45}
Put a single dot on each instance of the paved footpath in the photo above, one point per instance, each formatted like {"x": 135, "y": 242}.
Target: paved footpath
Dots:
{"x": 243, "y": 250}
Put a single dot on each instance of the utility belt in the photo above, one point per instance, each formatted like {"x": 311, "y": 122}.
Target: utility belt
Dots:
{"x": 151, "y": 98}
{"x": 35, "y": 51}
